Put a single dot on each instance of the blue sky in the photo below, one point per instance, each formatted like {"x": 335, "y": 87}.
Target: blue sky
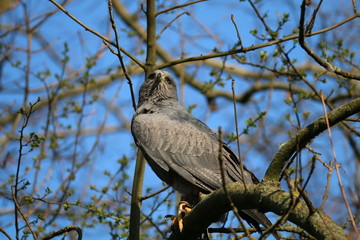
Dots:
{"x": 59, "y": 29}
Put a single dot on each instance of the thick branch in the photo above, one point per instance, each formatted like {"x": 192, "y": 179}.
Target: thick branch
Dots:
{"x": 150, "y": 65}
{"x": 151, "y": 36}
{"x": 135, "y": 212}
{"x": 64, "y": 230}
{"x": 305, "y": 135}
{"x": 264, "y": 196}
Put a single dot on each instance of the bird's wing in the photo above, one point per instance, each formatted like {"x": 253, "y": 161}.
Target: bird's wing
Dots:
{"x": 176, "y": 146}
{"x": 173, "y": 139}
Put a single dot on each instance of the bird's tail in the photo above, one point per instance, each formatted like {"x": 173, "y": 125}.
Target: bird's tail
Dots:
{"x": 255, "y": 218}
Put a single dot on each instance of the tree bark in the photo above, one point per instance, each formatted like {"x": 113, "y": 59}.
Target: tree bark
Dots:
{"x": 265, "y": 197}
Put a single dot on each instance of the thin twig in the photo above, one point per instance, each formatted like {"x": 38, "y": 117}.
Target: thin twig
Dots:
{"x": 2, "y": 230}
{"x": 337, "y": 170}
{"x": 18, "y": 209}
{"x": 156, "y": 225}
{"x": 168, "y": 25}
{"x": 178, "y": 6}
{"x": 138, "y": 62}
{"x": 155, "y": 206}
{"x": 255, "y": 47}
{"x": 327, "y": 65}
{"x": 354, "y": 6}
{"x": 21, "y": 146}
{"x": 209, "y": 31}
{"x": 311, "y": 23}
{"x": 313, "y": 164}
{"x": 328, "y": 179}
{"x": 237, "y": 133}
{"x": 153, "y": 194}
{"x": 222, "y": 171}
{"x": 129, "y": 81}
{"x": 306, "y": 198}
{"x": 298, "y": 126}
{"x": 237, "y": 31}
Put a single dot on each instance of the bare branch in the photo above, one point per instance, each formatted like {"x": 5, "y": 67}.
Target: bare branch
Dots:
{"x": 255, "y": 47}
{"x": 168, "y": 25}
{"x": 327, "y": 65}
{"x": 2, "y": 230}
{"x": 228, "y": 197}
{"x": 18, "y": 209}
{"x": 352, "y": 220}
{"x": 354, "y": 6}
{"x": 237, "y": 31}
{"x": 118, "y": 54}
{"x": 178, "y": 6}
{"x": 311, "y": 23}
{"x": 154, "y": 194}
{"x": 96, "y": 33}
{"x": 237, "y": 131}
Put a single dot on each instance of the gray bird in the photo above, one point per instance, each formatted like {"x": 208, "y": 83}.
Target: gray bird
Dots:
{"x": 182, "y": 150}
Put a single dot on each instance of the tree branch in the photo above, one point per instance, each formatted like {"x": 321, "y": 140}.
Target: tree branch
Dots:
{"x": 254, "y": 47}
{"x": 305, "y": 135}
{"x": 266, "y": 197}
{"x": 118, "y": 54}
{"x": 150, "y": 65}
{"x": 327, "y": 65}
{"x": 64, "y": 230}
{"x": 179, "y": 6}
{"x": 138, "y": 62}
{"x": 151, "y": 36}
{"x": 231, "y": 68}
{"x": 2, "y": 230}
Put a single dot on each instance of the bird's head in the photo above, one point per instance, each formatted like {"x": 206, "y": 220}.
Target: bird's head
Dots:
{"x": 159, "y": 85}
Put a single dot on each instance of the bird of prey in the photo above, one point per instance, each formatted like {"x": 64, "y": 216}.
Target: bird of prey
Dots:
{"x": 182, "y": 150}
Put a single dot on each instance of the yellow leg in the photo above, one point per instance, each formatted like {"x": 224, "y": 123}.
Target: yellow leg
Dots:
{"x": 178, "y": 221}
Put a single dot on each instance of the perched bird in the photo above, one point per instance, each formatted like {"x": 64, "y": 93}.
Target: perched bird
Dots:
{"x": 182, "y": 150}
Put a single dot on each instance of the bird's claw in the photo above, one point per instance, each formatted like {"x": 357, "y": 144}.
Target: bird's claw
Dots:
{"x": 184, "y": 209}
{"x": 177, "y": 222}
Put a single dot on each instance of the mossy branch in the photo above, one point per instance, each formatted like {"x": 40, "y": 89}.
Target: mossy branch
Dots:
{"x": 305, "y": 135}
{"x": 266, "y": 197}
{"x": 64, "y": 230}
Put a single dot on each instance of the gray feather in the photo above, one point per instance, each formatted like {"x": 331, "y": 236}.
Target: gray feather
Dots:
{"x": 181, "y": 149}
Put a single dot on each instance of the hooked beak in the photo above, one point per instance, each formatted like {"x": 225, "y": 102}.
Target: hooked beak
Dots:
{"x": 160, "y": 77}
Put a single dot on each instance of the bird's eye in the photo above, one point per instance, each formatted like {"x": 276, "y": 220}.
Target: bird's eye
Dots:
{"x": 152, "y": 75}
{"x": 168, "y": 80}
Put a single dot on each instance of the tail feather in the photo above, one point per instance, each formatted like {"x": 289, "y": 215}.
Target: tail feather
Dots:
{"x": 255, "y": 218}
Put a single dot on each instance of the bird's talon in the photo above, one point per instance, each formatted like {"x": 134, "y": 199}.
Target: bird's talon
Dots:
{"x": 177, "y": 222}
{"x": 184, "y": 208}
